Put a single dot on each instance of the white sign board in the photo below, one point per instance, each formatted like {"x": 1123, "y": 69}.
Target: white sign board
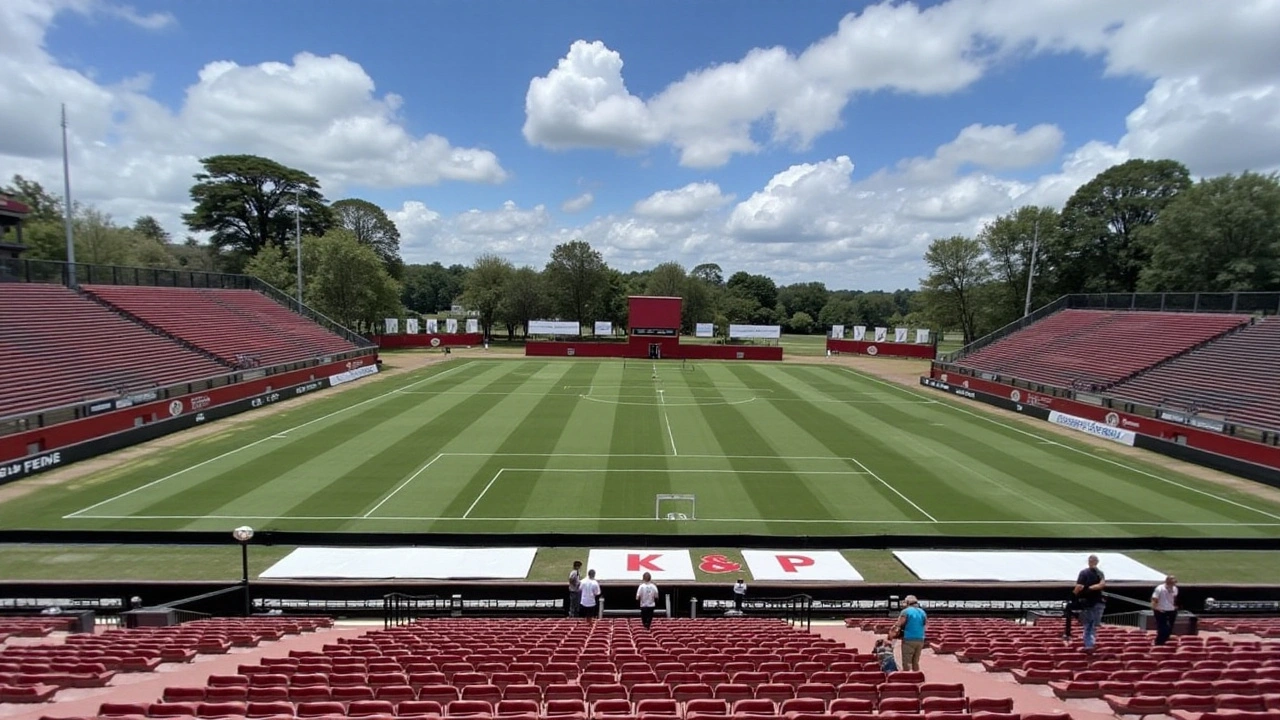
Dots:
{"x": 552, "y": 327}
{"x": 393, "y": 325}
{"x": 1097, "y": 429}
{"x": 473, "y": 326}
{"x": 629, "y": 565}
{"x": 802, "y": 565}
{"x": 433, "y": 326}
{"x": 411, "y": 326}
{"x": 417, "y": 563}
{"x": 757, "y": 332}
{"x": 900, "y": 335}
{"x": 837, "y": 332}
{"x": 859, "y": 332}
{"x": 1015, "y": 566}
{"x": 704, "y": 330}
{"x": 603, "y": 327}
{"x": 451, "y": 325}
{"x": 882, "y": 334}
{"x": 922, "y": 337}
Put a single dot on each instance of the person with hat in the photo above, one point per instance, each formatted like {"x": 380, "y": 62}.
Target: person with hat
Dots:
{"x": 910, "y": 627}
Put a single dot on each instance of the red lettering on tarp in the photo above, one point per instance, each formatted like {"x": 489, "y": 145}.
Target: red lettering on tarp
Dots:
{"x": 793, "y": 563}
{"x": 635, "y": 563}
{"x": 718, "y": 564}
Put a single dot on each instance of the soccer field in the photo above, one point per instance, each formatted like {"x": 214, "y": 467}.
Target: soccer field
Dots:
{"x": 496, "y": 446}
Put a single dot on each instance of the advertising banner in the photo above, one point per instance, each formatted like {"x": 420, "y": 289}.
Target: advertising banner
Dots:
{"x": 603, "y": 327}
{"x": 451, "y": 326}
{"x": 433, "y": 326}
{"x": 837, "y": 332}
{"x": 393, "y": 325}
{"x": 705, "y": 330}
{"x": 411, "y": 326}
{"x": 553, "y": 327}
{"x": 882, "y": 334}
{"x": 755, "y": 332}
{"x": 473, "y": 326}
{"x": 859, "y": 333}
{"x": 899, "y": 334}
{"x": 614, "y": 564}
{"x": 803, "y": 565}
{"x": 1084, "y": 425}
{"x": 922, "y": 337}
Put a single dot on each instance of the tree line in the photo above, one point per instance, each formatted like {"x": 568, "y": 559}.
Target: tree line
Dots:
{"x": 1141, "y": 226}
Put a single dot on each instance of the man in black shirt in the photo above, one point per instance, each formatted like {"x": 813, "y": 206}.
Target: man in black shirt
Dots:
{"x": 1088, "y": 591}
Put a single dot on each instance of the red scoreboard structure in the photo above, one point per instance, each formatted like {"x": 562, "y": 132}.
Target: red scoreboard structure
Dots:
{"x": 653, "y": 332}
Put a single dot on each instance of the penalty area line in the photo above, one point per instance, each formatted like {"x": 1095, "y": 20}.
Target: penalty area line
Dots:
{"x": 402, "y": 485}
{"x": 894, "y": 490}
{"x": 466, "y": 515}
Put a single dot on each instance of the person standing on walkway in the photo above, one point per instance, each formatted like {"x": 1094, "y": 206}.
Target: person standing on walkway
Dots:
{"x": 739, "y": 594}
{"x": 910, "y": 627}
{"x": 1164, "y": 605}
{"x": 589, "y": 591}
{"x": 1090, "y": 584}
{"x": 575, "y": 590}
{"x": 647, "y": 596}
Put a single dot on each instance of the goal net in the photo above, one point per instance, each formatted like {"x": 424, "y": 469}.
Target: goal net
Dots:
{"x": 675, "y": 507}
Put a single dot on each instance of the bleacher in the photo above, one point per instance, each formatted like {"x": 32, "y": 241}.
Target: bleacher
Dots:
{"x": 1097, "y": 348}
{"x": 60, "y": 348}
{"x": 1234, "y": 378}
{"x": 1189, "y": 676}
{"x": 234, "y": 325}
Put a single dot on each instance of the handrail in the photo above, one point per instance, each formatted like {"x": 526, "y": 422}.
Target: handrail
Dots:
{"x": 400, "y": 609}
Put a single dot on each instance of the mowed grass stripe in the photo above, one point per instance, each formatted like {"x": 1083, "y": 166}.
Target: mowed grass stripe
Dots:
{"x": 855, "y": 496}
{"x": 1133, "y": 477}
{"x": 638, "y": 429}
{"x": 238, "y": 475}
{"x": 538, "y": 433}
{"x": 772, "y": 496}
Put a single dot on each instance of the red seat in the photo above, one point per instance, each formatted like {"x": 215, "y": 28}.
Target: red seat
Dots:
{"x": 221, "y": 709}
{"x": 419, "y": 708}
{"x": 1137, "y": 705}
{"x": 317, "y": 709}
{"x": 899, "y": 704}
{"x": 469, "y": 708}
{"x": 990, "y": 705}
{"x": 755, "y": 706}
{"x": 183, "y": 694}
{"x": 696, "y": 707}
{"x": 517, "y": 707}
{"x": 268, "y": 709}
{"x": 794, "y": 706}
{"x": 159, "y": 710}
{"x": 943, "y": 705}
{"x": 851, "y": 705}
{"x": 361, "y": 708}
{"x": 611, "y": 706}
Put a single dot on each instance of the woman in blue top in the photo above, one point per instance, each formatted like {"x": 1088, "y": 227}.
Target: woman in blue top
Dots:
{"x": 910, "y": 627}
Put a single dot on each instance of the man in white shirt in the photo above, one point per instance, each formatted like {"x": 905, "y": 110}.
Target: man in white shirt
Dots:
{"x": 575, "y": 587}
{"x": 647, "y": 596}
{"x": 739, "y": 594}
{"x": 589, "y": 595}
{"x": 1164, "y": 605}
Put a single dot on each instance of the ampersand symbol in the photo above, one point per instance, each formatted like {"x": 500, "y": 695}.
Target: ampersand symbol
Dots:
{"x": 718, "y": 564}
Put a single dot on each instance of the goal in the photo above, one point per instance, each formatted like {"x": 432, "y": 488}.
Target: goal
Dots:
{"x": 675, "y": 507}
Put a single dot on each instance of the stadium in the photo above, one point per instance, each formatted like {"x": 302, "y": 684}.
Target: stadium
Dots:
{"x": 923, "y": 369}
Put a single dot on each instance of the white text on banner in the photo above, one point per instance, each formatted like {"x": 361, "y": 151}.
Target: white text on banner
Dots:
{"x": 1097, "y": 429}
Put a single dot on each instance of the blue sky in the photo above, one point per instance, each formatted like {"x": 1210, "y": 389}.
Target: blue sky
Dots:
{"x": 875, "y": 128}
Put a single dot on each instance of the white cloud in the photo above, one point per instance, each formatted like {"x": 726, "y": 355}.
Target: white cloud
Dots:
{"x": 147, "y": 21}
{"x": 578, "y": 204}
{"x": 686, "y": 203}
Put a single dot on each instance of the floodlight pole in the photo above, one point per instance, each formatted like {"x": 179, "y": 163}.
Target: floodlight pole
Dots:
{"x": 1031, "y": 269}
{"x": 297, "y": 239}
{"x": 66, "y": 201}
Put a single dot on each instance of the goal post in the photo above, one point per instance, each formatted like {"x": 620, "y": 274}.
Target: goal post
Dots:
{"x": 667, "y": 506}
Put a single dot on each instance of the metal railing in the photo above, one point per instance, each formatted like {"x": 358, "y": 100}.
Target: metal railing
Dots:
{"x": 400, "y": 609}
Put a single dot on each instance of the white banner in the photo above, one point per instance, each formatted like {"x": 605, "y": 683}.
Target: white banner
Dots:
{"x": 603, "y": 327}
{"x": 451, "y": 325}
{"x": 922, "y": 337}
{"x": 765, "y": 332}
{"x": 859, "y": 332}
{"x": 804, "y": 565}
{"x": 349, "y": 375}
{"x": 629, "y": 565}
{"x": 425, "y": 563}
{"x": 1097, "y": 429}
{"x": 882, "y": 334}
{"x": 552, "y": 327}
{"x": 704, "y": 330}
{"x": 411, "y": 326}
{"x": 393, "y": 325}
{"x": 837, "y": 332}
{"x": 900, "y": 335}
{"x": 473, "y": 326}
{"x": 1059, "y": 567}
{"x": 433, "y": 326}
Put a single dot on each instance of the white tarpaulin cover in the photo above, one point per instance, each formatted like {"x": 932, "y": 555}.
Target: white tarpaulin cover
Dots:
{"x": 629, "y": 565}
{"x": 1020, "y": 566}
{"x": 417, "y": 563}
{"x": 800, "y": 565}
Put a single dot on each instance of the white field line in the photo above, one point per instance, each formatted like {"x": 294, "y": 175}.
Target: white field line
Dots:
{"x": 670, "y": 435}
{"x": 402, "y": 485}
{"x": 686, "y": 472}
{"x": 405, "y": 518}
{"x": 1086, "y": 453}
{"x": 894, "y": 490}
{"x": 279, "y": 435}
{"x": 496, "y": 475}
{"x": 828, "y": 458}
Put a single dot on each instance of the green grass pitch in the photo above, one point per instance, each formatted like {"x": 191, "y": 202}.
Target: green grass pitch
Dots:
{"x": 497, "y": 446}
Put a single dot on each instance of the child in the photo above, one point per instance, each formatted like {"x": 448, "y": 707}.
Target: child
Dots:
{"x": 884, "y": 653}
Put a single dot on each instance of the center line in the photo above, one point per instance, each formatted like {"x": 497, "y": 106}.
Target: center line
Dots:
{"x": 662, "y": 400}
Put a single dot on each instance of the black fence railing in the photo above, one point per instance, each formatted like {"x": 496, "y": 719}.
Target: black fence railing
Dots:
{"x": 399, "y": 609}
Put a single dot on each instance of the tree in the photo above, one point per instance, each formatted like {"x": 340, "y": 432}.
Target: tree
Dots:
{"x": 808, "y": 298}
{"x": 483, "y": 289}
{"x": 611, "y": 300}
{"x": 874, "y": 309}
{"x": 99, "y": 241}
{"x": 371, "y": 226}
{"x": 801, "y": 322}
{"x": 148, "y": 227}
{"x": 1222, "y": 234}
{"x": 247, "y": 202}
{"x": 45, "y": 207}
{"x": 1008, "y": 242}
{"x": 838, "y": 311}
{"x": 523, "y": 299}
{"x": 698, "y": 305}
{"x": 957, "y": 270}
{"x": 667, "y": 280}
{"x": 349, "y": 283}
{"x": 1103, "y": 219}
{"x": 575, "y": 277}
{"x": 759, "y": 288}
{"x": 709, "y": 273}
{"x": 272, "y": 267}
